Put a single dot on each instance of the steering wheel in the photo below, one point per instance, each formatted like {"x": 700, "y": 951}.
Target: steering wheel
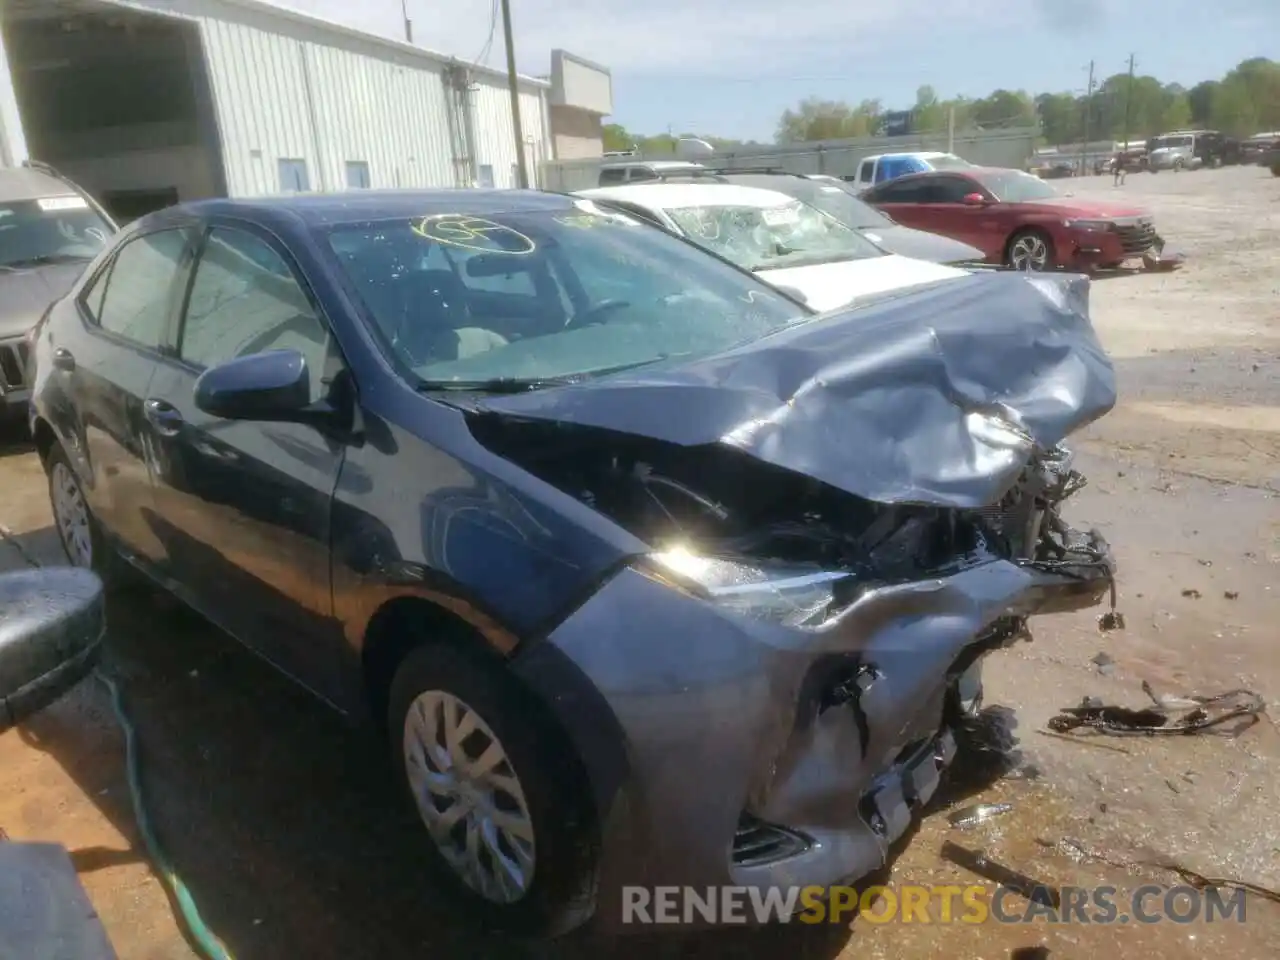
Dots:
{"x": 597, "y": 313}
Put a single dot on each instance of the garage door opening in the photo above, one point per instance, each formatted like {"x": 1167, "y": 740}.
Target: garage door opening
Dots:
{"x": 117, "y": 100}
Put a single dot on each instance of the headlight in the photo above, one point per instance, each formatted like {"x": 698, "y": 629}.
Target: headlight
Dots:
{"x": 789, "y": 595}
{"x": 1101, "y": 226}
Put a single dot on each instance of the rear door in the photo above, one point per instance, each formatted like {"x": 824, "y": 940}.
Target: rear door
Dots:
{"x": 106, "y": 366}
{"x": 944, "y": 207}
{"x": 246, "y": 507}
{"x": 903, "y": 201}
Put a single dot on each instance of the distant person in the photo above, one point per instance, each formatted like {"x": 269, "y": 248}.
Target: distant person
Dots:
{"x": 1117, "y": 170}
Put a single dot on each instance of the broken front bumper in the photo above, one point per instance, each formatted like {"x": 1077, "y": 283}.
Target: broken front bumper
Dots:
{"x": 728, "y": 751}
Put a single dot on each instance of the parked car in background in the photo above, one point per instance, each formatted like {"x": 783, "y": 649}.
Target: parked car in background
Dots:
{"x": 839, "y": 199}
{"x": 1252, "y": 150}
{"x": 889, "y": 166}
{"x": 638, "y": 171}
{"x": 783, "y": 240}
{"x": 1017, "y": 219}
{"x": 618, "y": 546}
{"x": 49, "y": 230}
{"x": 1271, "y": 159}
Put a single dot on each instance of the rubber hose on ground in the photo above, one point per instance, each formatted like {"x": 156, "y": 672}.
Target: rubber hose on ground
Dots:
{"x": 204, "y": 938}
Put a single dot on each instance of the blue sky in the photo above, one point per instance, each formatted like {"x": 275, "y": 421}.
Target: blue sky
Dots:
{"x": 730, "y": 67}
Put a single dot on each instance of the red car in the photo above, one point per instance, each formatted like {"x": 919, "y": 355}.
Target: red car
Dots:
{"x": 1017, "y": 219}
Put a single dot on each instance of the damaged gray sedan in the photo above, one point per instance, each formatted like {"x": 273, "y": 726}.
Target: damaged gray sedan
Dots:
{"x": 650, "y": 576}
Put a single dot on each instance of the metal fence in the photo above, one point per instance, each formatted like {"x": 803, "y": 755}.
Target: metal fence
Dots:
{"x": 1012, "y": 147}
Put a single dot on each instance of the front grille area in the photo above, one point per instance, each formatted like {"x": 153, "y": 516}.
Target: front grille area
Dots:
{"x": 1137, "y": 238}
{"x": 756, "y": 842}
{"x": 13, "y": 364}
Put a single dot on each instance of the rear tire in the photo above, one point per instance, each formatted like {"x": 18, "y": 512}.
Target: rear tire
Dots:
{"x": 509, "y": 828}
{"x": 78, "y": 529}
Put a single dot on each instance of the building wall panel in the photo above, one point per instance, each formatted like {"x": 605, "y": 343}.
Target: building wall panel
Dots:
{"x": 495, "y": 140}
{"x": 293, "y": 87}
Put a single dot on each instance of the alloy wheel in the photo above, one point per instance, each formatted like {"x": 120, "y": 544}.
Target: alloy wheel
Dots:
{"x": 71, "y": 514}
{"x": 1029, "y": 252}
{"x": 469, "y": 797}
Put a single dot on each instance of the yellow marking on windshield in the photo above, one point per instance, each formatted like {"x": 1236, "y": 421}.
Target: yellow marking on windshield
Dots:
{"x": 473, "y": 233}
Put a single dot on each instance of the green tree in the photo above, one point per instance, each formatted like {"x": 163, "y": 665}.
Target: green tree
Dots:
{"x": 1177, "y": 113}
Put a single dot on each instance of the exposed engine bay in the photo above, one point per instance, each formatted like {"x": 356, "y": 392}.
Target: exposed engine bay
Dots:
{"x": 731, "y": 505}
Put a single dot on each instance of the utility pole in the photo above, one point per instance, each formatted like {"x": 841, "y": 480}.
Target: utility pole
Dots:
{"x": 1128, "y": 99}
{"x": 408, "y": 24}
{"x": 1088, "y": 109}
{"x": 522, "y": 163}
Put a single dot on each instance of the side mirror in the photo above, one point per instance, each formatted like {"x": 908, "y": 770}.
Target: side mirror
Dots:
{"x": 52, "y": 622}
{"x": 271, "y": 386}
{"x": 974, "y": 200}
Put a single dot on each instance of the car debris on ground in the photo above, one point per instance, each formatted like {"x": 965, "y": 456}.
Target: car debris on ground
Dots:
{"x": 1201, "y": 714}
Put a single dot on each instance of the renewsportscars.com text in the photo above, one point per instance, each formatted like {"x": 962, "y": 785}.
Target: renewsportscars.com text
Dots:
{"x": 973, "y": 904}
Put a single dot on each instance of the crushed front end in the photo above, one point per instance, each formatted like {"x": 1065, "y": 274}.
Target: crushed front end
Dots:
{"x": 769, "y": 697}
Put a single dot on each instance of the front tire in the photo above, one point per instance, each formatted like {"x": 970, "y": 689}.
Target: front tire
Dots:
{"x": 497, "y": 789}
{"x": 1030, "y": 249}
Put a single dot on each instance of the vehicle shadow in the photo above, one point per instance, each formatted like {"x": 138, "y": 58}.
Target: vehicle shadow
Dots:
{"x": 15, "y": 439}
{"x": 283, "y": 821}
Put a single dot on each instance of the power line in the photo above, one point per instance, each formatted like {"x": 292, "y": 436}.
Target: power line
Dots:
{"x": 483, "y": 55}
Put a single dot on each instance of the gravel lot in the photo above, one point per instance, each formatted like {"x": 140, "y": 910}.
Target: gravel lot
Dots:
{"x": 277, "y": 817}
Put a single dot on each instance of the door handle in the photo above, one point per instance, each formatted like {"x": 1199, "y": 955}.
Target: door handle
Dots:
{"x": 164, "y": 416}
{"x": 63, "y": 360}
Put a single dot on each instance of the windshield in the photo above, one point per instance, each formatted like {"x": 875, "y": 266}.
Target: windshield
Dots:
{"x": 1014, "y": 186}
{"x": 949, "y": 162}
{"x": 517, "y": 300}
{"x": 840, "y": 203}
{"x": 771, "y": 238}
{"x": 33, "y": 232}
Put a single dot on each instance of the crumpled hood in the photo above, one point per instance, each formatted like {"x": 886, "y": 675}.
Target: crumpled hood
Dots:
{"x": 26, "y": 293}
{"x": 937, "y": 396}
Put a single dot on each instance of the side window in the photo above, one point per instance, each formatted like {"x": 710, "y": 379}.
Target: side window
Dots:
{"x": 139, "y": 285}
{"x": 911, "y": 192}
{"x": 244, "y": 300}
{"x": 637, "y": 174}
{"x": 91, "y": 296}
{"x": 865, "y": 169}
{"x": 951, "y": 190}
{"x": 612, "y": 175}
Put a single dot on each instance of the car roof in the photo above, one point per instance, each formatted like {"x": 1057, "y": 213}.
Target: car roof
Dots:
{"x": 922, "y": 154}
{"x": 357, "y": 206}
{"x": 664, "y": 196}
{"x": 24, "y": 183}
{"x": 654, "y": 165}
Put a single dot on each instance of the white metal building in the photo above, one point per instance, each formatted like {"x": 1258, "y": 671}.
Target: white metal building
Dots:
{"x": 146, "y": 102}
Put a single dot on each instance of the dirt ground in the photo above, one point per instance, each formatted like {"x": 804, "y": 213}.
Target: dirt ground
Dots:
{"x": 281, "y": 820}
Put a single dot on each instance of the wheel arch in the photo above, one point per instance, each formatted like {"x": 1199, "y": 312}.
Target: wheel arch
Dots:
{"x": 44, "y": 438}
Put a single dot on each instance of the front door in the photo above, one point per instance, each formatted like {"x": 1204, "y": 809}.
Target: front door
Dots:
{"x": 246, "y": 507}
{"x": 126, "y": 311}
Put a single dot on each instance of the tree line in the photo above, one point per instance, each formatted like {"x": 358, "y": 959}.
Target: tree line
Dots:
{"x": 1244, "y": 102}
